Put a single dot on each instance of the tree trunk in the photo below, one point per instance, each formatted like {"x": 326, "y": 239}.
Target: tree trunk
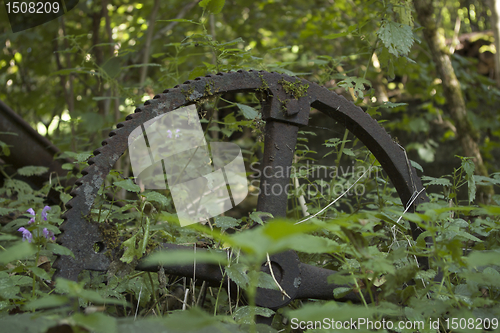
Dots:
{"x": 468, "y": 136}
{"x": 495, "y": 25}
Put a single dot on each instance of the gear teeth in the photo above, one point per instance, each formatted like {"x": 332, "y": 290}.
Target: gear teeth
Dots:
{"x": 187, "y": 82}
{"x": 70, "y": 203}
{"x": 157, "y": 96}
{"x": 120, "y": 125}
{"x": 166, "y": 91}
{"x": 97, "y": 151}
{"x": 133, "y": 116}
{"x": 197, "y": 79}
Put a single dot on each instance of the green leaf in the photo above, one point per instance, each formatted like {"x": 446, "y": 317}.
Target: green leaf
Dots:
{"x": 48, "y": 301}
{"x": 41, "y": 273}
{"x": 397, "y": 37}
{"x": 348, "y": 151}
{"x": 435, "y": 181}
{"x": 226, "y": 222}
{"x": 244, "y": 314}
{"x": 8, "y": 289}
{"x": 320, "y": 311}
{"x": 237, "y": 273}
{"x": 128, "y": 185}
{"x": 5, "y": 148}
{"x": 416, "y": 166}
{"x": 483, "y": 258}
{"x": 180, "y": 257}
{"x": 392, "y": 105}
{"x": 67, "y": 166}
{"x": 32, "y": 170}
{"x": 76, "y": 289}
{"x": 257, "y": 216}
{"x": 247, "y": 111}
{"x": 341, "y": 292}
{"x": 355, "y": 83}
{"x": 130, "y": 250}
{"x": 59, "y": 249}
{"x": 213, "y": 6}
{"x": 26, "y": 323}
{"x": 156, "y": 197}
{"x": 19, "y": 251}
{"x": 468, "y": 166}
{"x": 96, "y": 322}
{"x": 312, "y": 244}
{"x": 265, "y": 281}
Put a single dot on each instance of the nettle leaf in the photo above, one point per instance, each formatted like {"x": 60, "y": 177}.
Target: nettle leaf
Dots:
{"x": 237, "y": 273}
{"x": 248, "y": 112}
{"x": 128, "y": 185}
{"x": 59, "y": 249}
{"x": 32, "y": 170}
{"x": 48, "y": 301}
{"x": 265, "y": 281}
{"x": 397, "y": 37}
{"x": 435, "y": 181}
{"x": 213, "y": 6}
{"x": 226, "y": 222}
{"x": 130, "y": 250}
{"x": 27, "y": 322}
{"x": 355, "y": 83}
{"x": 156, "y": 197}
{"x": 348, "y": 151}
{"x": 244, "y": 314}
{"x": 341, "y": 292}
{"x": 257, "y": 216}
{"x": 5, "y": 148}
{"x": 180, "y": 257}
{"x": 96, "y": 322}
{"x": 468, "y": 166}
{"x": 483, "y": 258}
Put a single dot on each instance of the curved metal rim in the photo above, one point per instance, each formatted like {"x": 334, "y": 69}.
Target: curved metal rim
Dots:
{"x": 79, "y": 232}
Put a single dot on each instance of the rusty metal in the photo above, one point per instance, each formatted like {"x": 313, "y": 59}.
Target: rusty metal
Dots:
{"x": 29, "y": 147}
{"x": 279, "y": 147}
{"x": 299, "y": 280}
{"x": 286, "y": 106}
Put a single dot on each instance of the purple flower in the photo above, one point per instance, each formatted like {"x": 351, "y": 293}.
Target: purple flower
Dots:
{"x": 169, "y": 134}
{"x": 44, "y": 212}
{"x": 177, "y": 131}
{"x": 26, "y": 234}
{"x": 32, "y": 212}
{"x": 48, "y": 234}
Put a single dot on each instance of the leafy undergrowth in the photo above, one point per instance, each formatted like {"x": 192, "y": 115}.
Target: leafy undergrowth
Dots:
{"x": 367, "y": 242}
